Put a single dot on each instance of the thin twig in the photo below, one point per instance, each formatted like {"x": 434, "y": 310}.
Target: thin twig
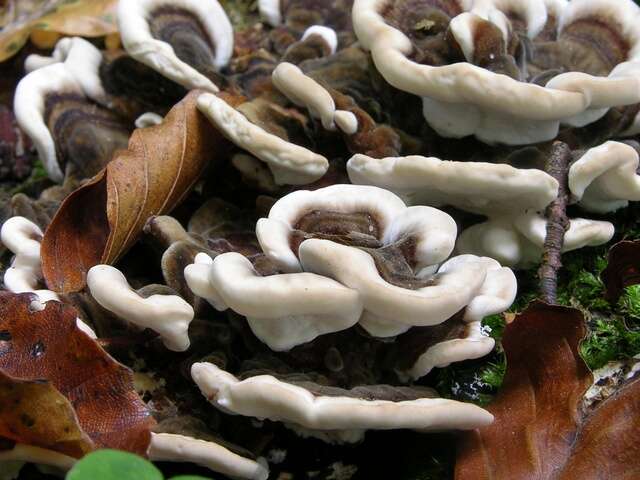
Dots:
{"x": 557, "y": 223}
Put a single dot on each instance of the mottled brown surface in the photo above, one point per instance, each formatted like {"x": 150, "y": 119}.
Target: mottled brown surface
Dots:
{"x": 86, "y": 135}
{"x": 47, "y": 345}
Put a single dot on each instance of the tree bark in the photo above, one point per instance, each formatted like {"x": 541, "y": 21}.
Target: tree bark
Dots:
{"x": 557, "y": 223}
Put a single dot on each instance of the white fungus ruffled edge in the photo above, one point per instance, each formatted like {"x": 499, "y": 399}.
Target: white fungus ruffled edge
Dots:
{"x": 289, "y": 163}
{"x": 485, "y": 188}
{"x": 462, "y": 99}
{"x": 265, "y": 397}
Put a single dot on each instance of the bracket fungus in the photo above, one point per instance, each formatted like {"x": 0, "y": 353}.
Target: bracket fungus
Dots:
{"x": 187, "y": 41}
{"x": 518, "y": 241}
{"x": 343, "y": 416}
{"x": 55, "y": 104}
{"x": 605, "y": 178}
{"x": 478, "y": 187}
{"x": 506, "y": 71}
{"x": 351, "y": 254}
{"x": 289, "y": 163}
{"x": 169, "y": 315}
{"x": 169, "y": 447}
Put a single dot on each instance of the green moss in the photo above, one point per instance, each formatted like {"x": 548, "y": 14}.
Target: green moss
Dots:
{"x": 629, "y": 303}
{"x": 493, "y": 373}
{"x": 609, "y": 339}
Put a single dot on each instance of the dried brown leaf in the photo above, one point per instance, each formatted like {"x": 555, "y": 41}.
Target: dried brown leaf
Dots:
{"x": 623, "y": 269}
{"x": 47, "y": 345}
{"x": 86, "y": 18}
{"x": 541, "y": 431}
{"x": 98, "y": 222}
{"x": 35, "y": 413}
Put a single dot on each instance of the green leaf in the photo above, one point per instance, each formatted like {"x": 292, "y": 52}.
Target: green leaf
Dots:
{"x": 113, "y": 465}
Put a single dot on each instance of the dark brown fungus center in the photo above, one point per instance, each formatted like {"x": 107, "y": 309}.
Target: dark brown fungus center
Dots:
{"x": 86, "y": 134}
{"x": 395, "y": 262}
{"x": 186, "y": 34}
{"x": 593, "y": 45}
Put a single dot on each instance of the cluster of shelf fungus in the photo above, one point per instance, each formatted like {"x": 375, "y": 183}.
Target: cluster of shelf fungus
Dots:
{"x": 394, "y": 152}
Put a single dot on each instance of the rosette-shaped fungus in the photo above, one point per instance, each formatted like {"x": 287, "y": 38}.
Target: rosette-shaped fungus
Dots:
{"x": 187, "y": 41}
{"x": 59, "y": 106}
{"x": 351, "y": 254}
{"x": 506, "y": 71}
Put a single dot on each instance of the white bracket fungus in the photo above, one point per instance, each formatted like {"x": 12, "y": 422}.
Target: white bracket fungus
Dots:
{"x": 148, "y": 119}
{"x": 23, "y": 238}
{"x": 270, "y": 12}
{"x": 266, "y": 397}
{"x": 304, "y": 91}
{"x": 73, "y": 69}
{"x": 330, "y": 286}
{"x": 37, "y": 455}
{"x": 167, "y": 447}
{"x": 484, "y": 188}
{"x": 605, "y": 178}
{"x": 327, "y": 34}
{"x": 134, "y": 17}
{"x": 168, "y": 315}
{"x": 83, "y": 61}
{"x": 518, "y": 241}
{"x": 462, "y": 99}
{"x": 29, "y": 106}
{"x": 289, "y": 163}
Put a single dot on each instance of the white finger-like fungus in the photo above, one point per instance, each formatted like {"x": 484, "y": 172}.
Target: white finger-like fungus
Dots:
{"x": 289, "y": 163}
{"x": 504, "y": 103}
{"x": 519, "y": 241}
{"x": 162, "y": 34}
{"x": 266, "y": 397}
{"x": 23, "y": 238}
{"x": 605, "y": 178}
{"x": 304, "y": 91}
{"x": 167, "y": 447}
{"x": 478, "y": 187}
{"x": 168, "y": 315}
{"x": 282, "y": 310}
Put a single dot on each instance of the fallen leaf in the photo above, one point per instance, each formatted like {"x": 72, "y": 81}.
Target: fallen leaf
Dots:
{"x": 85, "y": 18}
{"x": 47, "y": 346}
{"x": 33, "y": 412}
{"x": 98, "y": 222}
{"x": 541, "y": 431}
{"x": 623, "y": 269}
